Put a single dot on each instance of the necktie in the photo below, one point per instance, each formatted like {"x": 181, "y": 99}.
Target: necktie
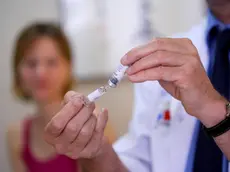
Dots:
{"x": 208, "y": 157}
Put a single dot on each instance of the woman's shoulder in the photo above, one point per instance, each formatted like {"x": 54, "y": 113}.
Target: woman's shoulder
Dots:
{"x": 110, "y": 132}
{"x": 14, "y": 134}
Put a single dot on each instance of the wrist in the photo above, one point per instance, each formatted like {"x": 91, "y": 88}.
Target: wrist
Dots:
{"x": 104, "y": 149}
{"x": 101, "y": 153}
{"x": 90, "y": 163}
{"x": 105, "y": 161}
{"x": 213, "y": 112}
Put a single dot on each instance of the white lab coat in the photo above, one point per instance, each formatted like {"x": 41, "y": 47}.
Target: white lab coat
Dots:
{"x": 147, "y": 148}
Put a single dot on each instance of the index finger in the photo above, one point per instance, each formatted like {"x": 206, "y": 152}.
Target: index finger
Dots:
{"x": 59, "y": 121}
{"x": 179, "y": 45}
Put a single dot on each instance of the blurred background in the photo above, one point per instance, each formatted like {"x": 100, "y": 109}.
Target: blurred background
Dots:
{"x": 100, "y": 32}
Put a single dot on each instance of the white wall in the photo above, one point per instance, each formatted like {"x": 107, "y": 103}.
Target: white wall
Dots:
{"x": 168, "y": 17}
{"x": 13, "y": 15}
{"x": 99, "y": 45}
{"x": 86, "y": 32}
{"x": 122, "y": 25}
{"x": 176, "y": 16}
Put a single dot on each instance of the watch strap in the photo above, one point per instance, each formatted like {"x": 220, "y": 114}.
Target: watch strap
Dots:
{"x": 221, "y": 127}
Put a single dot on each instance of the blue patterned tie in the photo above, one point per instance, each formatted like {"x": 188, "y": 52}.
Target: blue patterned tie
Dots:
{"x": 208, "y": 157}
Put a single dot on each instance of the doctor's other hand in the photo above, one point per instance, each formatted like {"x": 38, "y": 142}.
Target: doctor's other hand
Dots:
{"x": 175, "y": 63}
{"x": 76, "y": 131}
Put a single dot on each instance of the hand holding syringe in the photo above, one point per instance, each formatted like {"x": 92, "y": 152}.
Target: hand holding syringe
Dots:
{"x": 113, "y": 81}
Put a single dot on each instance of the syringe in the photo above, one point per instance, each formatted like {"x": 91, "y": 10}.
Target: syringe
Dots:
{"x": 113, "y": 81}
{"x": 117, "y": 76}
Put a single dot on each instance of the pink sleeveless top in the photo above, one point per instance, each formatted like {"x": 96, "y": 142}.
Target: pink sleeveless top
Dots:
{"x": 58, "y": 163}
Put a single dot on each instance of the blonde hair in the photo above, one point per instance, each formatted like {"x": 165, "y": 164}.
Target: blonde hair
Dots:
{"x": 26, "y": 37}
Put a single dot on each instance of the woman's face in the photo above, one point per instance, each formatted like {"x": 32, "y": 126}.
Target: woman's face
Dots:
{"x": 44, "y": 72}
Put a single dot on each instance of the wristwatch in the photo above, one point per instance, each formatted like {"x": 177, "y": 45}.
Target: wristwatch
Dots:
{"x": 221, "y": 127}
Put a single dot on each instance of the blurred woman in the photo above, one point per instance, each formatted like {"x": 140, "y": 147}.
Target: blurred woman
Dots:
{"x": 42, "y": 75}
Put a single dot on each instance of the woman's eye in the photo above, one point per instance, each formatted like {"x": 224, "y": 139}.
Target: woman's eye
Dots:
{"x": 52, "y": 62}
{"x": 31, "y": 63}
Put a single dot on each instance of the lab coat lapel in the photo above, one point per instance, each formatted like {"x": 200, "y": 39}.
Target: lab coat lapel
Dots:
{"x": 160, "y": 149}
{"x": 179, "y": 141}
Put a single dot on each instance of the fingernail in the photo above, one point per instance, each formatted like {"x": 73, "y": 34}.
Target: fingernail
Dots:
{"x": 129, "y": 70}
{"x": 124, "y": 59}
{"x": 132, "y": 77}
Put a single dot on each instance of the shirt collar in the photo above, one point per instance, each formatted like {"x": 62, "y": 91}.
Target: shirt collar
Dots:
{"x": 213, "y": 27}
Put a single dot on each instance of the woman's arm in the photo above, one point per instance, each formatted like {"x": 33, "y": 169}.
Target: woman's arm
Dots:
{"x": 110, "y": 133}
{"x": 14, "y": 148}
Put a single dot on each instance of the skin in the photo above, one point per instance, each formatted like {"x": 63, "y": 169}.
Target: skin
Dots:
{"x": 220, "y": 8}
{"x": 176, "y": 64}
{"x": 43, "y": 73}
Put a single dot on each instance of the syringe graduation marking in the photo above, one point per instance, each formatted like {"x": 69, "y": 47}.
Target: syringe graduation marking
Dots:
{"x": 103, "y": 89}
{"x": 114, "y": 80}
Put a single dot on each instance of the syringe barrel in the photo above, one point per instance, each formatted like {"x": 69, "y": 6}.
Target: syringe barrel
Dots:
{"x": 96, "y": 94}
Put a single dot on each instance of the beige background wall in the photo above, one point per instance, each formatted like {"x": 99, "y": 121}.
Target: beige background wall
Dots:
{"x": 16, "y": 13}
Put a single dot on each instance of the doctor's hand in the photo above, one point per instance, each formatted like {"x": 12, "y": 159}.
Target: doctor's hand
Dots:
{"x": 175, "y": 63}
{"x": 75, "y": 130}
